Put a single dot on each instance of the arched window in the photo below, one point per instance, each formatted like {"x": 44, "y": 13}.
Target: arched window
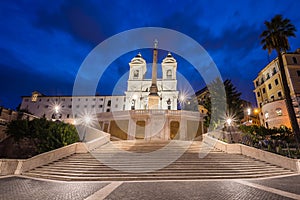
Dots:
{"x": 169, "y": 74}
{"x": 136, "y": 74}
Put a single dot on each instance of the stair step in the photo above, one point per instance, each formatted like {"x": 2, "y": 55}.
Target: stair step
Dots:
{"x": 215, "y": 165}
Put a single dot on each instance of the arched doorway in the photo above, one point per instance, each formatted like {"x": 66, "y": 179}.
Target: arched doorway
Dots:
{"x": 140, "y": 130}
{"x": 174, "y": 130}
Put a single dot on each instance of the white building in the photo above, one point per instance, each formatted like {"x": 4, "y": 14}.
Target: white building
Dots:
{"x": 60, "y": 107}
{"x": 138, "y": 88}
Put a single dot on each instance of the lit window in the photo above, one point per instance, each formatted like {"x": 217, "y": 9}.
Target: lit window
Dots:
{"x": 279, "y": 111}
{"x": 34, "y": 97}
{"x": 266, "y": 115}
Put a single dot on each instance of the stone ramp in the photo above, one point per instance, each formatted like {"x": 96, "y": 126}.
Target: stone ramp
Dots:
{"x": 216, "y": 165}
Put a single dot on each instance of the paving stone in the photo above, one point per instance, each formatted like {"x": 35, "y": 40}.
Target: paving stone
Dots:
{"x": 15, "y": 188}
{"x": 289, "y": 184}
{"x": 214, "y": 190}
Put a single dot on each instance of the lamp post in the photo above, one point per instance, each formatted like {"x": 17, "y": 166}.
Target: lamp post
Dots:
{"x": 57, "y": 114}
{"x": 87, "y": 120}
{"x": 248, "y": 113}
{"x": 133, "y": 100}
{"x": 182, "y": 99}
{"x": 169, "y": 104}
{"x": 229, "y": 121}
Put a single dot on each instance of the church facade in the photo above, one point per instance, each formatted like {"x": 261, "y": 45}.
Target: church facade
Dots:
{"x": 138, "y": 88}
{"x": 148, "y": 110}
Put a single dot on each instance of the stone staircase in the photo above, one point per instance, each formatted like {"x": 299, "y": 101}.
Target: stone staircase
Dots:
{"x": 141, "y": 160}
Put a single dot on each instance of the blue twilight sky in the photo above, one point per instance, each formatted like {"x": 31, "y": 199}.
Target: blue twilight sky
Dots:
{"x": 43, "y": 43}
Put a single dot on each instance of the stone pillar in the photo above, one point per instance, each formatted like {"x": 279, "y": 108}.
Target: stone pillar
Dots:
{"x": 183, "y": 129}
{"x": 131, "y": 129}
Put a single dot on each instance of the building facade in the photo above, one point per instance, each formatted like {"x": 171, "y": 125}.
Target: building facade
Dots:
{"x": 60, "y": 107}
{"x": 269, "y": 91}
{"x": 131, "y": 116}
{"x": 138, "y": 87}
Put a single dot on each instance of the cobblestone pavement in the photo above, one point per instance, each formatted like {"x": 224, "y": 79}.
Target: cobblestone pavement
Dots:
{"x": 16, "y": 188}
{"x": 290, "y": 184}
{"x": 272, "y": 188}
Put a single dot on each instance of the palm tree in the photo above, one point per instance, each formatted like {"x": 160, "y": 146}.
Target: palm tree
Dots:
{"x": 275, "y": 37}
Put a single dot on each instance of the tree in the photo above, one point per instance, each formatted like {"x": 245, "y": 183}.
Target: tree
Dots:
{"x": 46, "y": 135}
{"x": 275, "y": 37}
{"x": 231, "y": 98}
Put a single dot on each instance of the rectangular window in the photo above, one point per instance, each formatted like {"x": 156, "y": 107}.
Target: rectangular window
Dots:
{"x": 276, "y": 81}
{"x": 298, "y": 72}
{"x": 258, "y": 94}
{"x": 279, "y": 94}
{"x": 109, "y": 103}
{"x": 270, "y": 86}
{"x": 264, "y": 90}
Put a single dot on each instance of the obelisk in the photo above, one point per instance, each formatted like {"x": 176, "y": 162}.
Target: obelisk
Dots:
{"x": 153, "y": 98}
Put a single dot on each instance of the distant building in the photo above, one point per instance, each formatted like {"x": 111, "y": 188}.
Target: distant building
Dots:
{"x": 269, "y": 91}
{"x": 60, "y": 107}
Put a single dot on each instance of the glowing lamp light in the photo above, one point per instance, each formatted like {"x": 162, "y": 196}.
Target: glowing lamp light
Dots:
{"x": 228, "y": 121}
{"x": 56, "y": 108}
{"x": 249, "y": 111}
{"x": 87, "y": 120}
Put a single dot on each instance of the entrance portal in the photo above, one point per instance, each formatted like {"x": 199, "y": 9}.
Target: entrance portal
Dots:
{"x": 140, "y": 130}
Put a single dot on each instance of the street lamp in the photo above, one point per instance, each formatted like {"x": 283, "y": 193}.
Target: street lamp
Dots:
{"x": 56, "y": 115}
{"x": 169, "y": 104}
{"x": 87, "y": 120}
{"x": 248, "y": 113}
{"x": 229, "y": 121}
{"x": 182, "y": 100}
{"x": 133, "y": 100}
